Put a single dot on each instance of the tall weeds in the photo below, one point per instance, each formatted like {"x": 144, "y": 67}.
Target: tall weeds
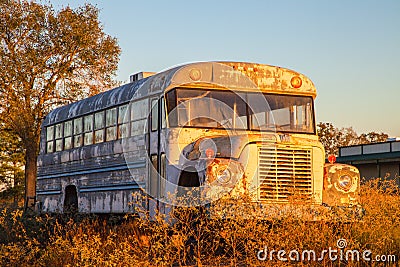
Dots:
{"x": 197, "y": 238}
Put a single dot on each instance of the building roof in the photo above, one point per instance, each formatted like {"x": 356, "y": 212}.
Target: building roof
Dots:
{"x": 386, "y": 151}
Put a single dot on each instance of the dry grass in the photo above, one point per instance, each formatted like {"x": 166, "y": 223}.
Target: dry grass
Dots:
{"x": 197, "y": 240}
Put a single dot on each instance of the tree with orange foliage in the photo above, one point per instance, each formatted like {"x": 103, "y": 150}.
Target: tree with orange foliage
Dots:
{"x": 332, "y": 138}
{"x": 49, "y": 58}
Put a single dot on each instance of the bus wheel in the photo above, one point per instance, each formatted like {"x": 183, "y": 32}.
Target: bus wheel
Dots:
{"x": 71, "y": 200}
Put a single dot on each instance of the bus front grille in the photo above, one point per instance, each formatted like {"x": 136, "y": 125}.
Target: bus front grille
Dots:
{"x": 285, "y": 174}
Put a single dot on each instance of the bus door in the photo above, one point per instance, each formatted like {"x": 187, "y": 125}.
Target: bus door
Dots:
{"x": 156, "y": 153}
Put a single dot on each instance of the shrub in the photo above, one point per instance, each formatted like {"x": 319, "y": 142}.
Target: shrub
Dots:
{"x": 198, "y": 238}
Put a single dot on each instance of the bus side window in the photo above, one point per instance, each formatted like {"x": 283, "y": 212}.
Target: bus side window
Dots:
{"x": 99, "y": 127}
{"x": 163, "y": 120}
{"x": 88, "y": 130}
{"x": 123, "y": 121}
{"x": 78, "y": 132}
{"x": 50, "y": 139}
{"x": 154, "y": 115}
{"x": 59, "y": 136}
{"x": 154, "y": 176}
{"x": 111, "y": 124}
{"x": 139, "y": 113}
{"x": 68, "y": 135}
{"x": 171, "y": 108}
{"x": 163, "y": 174}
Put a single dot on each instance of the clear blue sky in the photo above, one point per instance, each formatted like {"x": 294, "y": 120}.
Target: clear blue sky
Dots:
{"x": 350, "y": 49}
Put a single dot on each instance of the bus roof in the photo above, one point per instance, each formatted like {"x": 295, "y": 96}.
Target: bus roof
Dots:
{"x": 232, "y": 75}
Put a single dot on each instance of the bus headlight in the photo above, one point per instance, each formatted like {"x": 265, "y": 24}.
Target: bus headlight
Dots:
{"x": 341, "y": 185}
{"x": 345, "y": 182}
{"x": 224, "y": 175}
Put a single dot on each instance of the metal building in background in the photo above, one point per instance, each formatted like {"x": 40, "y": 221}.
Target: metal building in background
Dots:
{"x": 373, "y": 160}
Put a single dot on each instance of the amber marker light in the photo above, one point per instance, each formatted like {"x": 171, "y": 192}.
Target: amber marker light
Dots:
{"x": 296, "y": 82}
{"x": 332, "y": 159}
{"x": 209, "y": 153}
{"x": 195, "y": 74}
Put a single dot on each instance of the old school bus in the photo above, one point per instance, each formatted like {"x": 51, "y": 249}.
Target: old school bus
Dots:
{"x": 207, "y": 129}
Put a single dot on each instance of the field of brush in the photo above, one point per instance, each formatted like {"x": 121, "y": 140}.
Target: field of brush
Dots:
{"x": 197, "y": 240}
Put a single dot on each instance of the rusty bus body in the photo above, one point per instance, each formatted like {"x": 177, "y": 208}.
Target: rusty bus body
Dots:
{"x": 217, "y": 126}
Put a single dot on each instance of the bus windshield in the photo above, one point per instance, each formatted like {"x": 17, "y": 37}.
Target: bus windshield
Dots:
{"x": 246, "y": 111}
